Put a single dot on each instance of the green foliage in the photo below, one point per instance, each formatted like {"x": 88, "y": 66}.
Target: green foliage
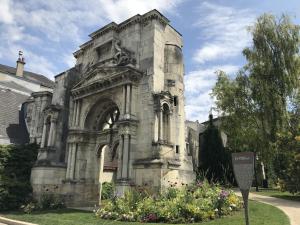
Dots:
{"x": 47, "y": 201}
{"x": 189, "y": 203}
{"x": 215, "y": 160}
{"x": 259, "y": 213}
{"x": 263, "y": 100}
{"x": 51, "y": 201}
{"x": 16, "y": 162}
{"x": 287, "y": 163}
{"x": 108, "y": 190}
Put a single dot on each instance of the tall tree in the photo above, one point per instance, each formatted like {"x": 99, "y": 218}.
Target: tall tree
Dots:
{"x": 256, "y": 103}
{"x": 214, "y": 160}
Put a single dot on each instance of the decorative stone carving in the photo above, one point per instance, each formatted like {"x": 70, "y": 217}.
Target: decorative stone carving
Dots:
{"x": 122, "y": 56}
{"x": 162, "y": 98}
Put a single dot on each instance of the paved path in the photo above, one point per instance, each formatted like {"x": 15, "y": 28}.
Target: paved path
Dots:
{"x": 290, "y": 208}
{"x": 6, "y": 221}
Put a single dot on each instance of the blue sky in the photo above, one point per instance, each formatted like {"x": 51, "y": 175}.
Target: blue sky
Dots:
{"x": 214, "y": 33}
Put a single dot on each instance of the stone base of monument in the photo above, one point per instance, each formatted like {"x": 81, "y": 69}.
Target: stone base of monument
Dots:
{"x": 122, "y": 185}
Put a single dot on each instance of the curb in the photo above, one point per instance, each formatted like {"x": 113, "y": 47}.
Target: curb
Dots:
{"x": 14, "y": 222}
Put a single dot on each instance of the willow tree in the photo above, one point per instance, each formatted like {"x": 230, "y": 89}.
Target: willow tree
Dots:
{"x": 256, "y": 103}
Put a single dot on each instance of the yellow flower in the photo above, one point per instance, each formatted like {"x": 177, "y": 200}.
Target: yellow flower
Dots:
{"x": 232, "y": 199}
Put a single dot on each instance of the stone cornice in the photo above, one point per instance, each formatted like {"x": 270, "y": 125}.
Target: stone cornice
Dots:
{"x": 163, "y": 95}
{"x": 41, "y": 94}
{"x": 53, "y": 110}
{"x": 100, "y": 79}
{"x": 163, "y": 143}
{"x": 87, "y": 136}
{"x": 153, "y": 14}
{"x": 89, "y": 132}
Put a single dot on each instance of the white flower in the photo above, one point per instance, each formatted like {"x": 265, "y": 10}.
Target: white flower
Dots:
{"x": 216, "y": 210}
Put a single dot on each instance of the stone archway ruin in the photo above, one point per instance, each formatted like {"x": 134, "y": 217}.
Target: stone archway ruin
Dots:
{"x": 126, "y": 92}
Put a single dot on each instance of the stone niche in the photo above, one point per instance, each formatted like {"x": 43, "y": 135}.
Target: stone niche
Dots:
{"x": 105, "y": 52}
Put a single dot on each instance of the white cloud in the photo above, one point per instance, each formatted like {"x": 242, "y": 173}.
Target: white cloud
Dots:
{"x": 47, "y": 30}
{"x": 59, "y": 23}
{"x": 223, "y": 35}
{"x": 69, "y": 60}
{"x": 122, "y": 9}
{"x": 198, "y": 85}
{"x": 223, "y": 32}
{"x": 41, "y": 64}
{"x": 6, "y": 15}
{"x": 204, "y": 79}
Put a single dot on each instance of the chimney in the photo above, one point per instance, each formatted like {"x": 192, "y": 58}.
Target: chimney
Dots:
{"x": 20, "y": 64}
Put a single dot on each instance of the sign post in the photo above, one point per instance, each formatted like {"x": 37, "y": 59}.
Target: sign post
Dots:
{"x": 243, "y": 167}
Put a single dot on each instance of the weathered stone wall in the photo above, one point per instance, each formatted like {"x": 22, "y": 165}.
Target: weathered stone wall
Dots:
{"x": 35, "y": 107}
{"x": 135, "y": 68}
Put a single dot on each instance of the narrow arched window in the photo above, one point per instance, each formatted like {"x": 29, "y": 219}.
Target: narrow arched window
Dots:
{"x": 166, "y": 122}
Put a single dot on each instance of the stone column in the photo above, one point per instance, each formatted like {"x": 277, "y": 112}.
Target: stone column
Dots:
{"x": 134, "y": 100}
{"x": 68, "y": 175}
{"x": 161, "y": 125}
{"x": 170, "y": 127}
{"x": 74, "y": 114}
{"x": 128, "y": 96}
{"x": 33, "y": 124}
{"x": 125, "y": 156}
{"x": 53, "y": 136}
{"x": 101, "y": 165}
{"x": 73, "y": 161}
{"x": 71, "y": 112}
{"x": 44, "y": 135}
{"x": 78, "y": 113}
{"x": 37, "y": 116}
{"x": 120, "y": 156}
{"x": 50, "y": 134}
{"x": 124, "y": 100}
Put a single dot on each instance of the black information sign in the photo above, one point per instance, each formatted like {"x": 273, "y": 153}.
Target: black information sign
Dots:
{"x": 243, "y": 167}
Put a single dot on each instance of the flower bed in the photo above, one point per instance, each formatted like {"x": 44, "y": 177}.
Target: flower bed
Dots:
{"x": 189, "y": 203}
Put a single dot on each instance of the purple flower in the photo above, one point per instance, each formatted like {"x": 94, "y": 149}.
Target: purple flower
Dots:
{"x": 199, "y": 184}
{"x": 223, "y": 194}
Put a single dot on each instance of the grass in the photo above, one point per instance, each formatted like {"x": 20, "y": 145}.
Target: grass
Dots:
{"x": 260, "y": 214}
{"x": 277, "y": 194}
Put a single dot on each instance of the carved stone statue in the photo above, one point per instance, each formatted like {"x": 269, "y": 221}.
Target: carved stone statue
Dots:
{"x": 122, "y": 56}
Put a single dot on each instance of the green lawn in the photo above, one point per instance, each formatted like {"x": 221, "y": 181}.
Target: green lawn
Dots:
{"x": 277, "y": 194}
{"x": 260, "y": 214}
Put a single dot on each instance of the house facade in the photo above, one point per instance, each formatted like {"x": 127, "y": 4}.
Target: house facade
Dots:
{"x": 16, "y": 86}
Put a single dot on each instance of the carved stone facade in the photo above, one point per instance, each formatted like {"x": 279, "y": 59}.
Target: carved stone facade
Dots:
{"x": 118, "y": 115}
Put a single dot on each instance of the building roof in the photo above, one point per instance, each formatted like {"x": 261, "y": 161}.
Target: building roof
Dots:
{"x": 15, "y": 87}
{"x": 12, "y": 122}
{"x": 29, "y": 76}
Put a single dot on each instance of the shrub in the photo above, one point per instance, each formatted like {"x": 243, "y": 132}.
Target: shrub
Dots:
{"x": 16, "y": 162}
{"x": 190, "y": 203}
{"x": 214, "y": 157}
{"x": 108, "y": 190}
{"x": 47, "y": 201}
{"x": 51, "y": 201}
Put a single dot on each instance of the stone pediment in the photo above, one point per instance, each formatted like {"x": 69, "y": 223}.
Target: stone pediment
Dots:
{"x": 99, "y": 79}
